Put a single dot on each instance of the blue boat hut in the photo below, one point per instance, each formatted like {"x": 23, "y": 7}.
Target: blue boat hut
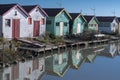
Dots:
{"x": 108, "y": 24}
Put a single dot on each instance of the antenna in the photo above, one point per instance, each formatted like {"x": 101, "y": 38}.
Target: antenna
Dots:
{"x": 59, "y": 4}
{"x": 80, "y": 10}
{"x": 85, "y": 13}
{"x": 113, "y": 12}
{"x": 93, "y": 9}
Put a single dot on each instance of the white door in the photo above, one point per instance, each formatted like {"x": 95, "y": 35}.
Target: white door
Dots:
{"x": 60, "y": 58}
{"x": 78, "y": 28}
{"x": 61, "y": 28}
{"x": 113, "y": 49}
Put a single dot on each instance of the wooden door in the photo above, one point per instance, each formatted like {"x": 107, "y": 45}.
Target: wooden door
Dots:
{"x": 36, "y": 28}
{"x": 15, "y": 28}
{"x": 78, "y": 28}
{"x": 15, "y": 72}
{"x": 35, "y": 64}
{"x": 61, "y": 28}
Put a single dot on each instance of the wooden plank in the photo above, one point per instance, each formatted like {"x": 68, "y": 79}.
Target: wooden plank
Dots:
{"x": 30, "y": 42}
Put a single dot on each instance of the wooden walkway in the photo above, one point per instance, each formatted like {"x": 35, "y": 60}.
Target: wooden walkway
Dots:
{"x": 49, "y": 48}
{"x": 53, "y": 47}
{"x": 30, "y": 42}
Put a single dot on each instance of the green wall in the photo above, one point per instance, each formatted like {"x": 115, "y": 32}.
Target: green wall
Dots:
{"x": 63, "y": 17}
{"x": 55, "y": 29}
{"x": 76, "y": 21}
{"x": 50, "y": 27}
{"x": 92, "y": 23}
{"x": 60, "y": 67}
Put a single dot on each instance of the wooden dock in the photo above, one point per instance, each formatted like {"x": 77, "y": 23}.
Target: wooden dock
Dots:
{"x": 54, "y": 47}
{"x": 43, "y": 49}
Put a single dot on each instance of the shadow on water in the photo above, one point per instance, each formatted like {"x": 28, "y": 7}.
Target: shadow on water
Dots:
{"x": 76, "y": 63}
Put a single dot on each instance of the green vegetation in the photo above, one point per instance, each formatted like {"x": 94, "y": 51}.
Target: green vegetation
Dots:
{"x": 51, "y": 39}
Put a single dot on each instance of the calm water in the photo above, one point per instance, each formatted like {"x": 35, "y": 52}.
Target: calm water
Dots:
{"x": 94, "y": 63}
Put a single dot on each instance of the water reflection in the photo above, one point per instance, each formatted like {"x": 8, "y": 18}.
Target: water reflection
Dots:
{"x": 57, "y": 64}
{"x": 60, "y": 63}
{"x": 76, "y": 58}
{"x": 111, "y": 50}
{"x": 28, "y": 70}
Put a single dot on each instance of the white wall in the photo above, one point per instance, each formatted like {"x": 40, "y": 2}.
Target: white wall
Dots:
{"x": 24, "y": 28}
{"x": 7, "y": 71}
{"x": 23, "y": 69}
{"x": 0, "y": 25}
{"x": 1, "y": 75}
{"x": 38, "y": 16}
{"x": 114, "y": 28}
{"x": 34, "y": 74}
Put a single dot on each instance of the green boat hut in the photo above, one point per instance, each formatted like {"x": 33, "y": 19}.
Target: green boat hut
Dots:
{"x": 57, "y": 64}
{"x": 89, "y": 54}
{"x": 76, "y": 59}
{"x": 92, "y": 22}
{"x": 57, "y": 22}
{"x": 77, "y": 24}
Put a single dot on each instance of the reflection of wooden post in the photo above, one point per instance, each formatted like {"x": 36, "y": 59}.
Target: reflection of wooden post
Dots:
{"x": 71, "y": 46}
{"x": 44, "y": 50}
{"x": 52, "y": 49}
{"x": 3, "y": 45}
{"x": 77, "y": 46}
{"x": 86, "y": 44}
{"x": 58, "y": 49}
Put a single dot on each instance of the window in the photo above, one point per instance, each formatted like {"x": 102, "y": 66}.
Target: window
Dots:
{"x": 56, "y": 62}
{"x": 113, "y": 24}
{"x": 26, "y": 79}
{"x": 57, "y": 24}
{"x": 91, "y": 25}
{"x": 7, "y": 76}
{"x": 15, "y": 13}
{"x": 7, "y": 22}
{"x": 29, "y": 20}
{"x": 42, "y": 21}
{"x": 65, "y": 24}
{"x": 64, "y": 60}
{"x": 49, "y": 22}
{"x": 41, "y": 67}
{"x": 95, "y": 25}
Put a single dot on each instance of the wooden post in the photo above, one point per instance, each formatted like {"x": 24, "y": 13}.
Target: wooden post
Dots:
{"x": 65, "y": 48}
{"x": 58, "y": 49}
{"x": 44, "y": 50}
{"x": 52, "y": 49}
{"x": 77, "y": 45}
{"x": 86, "y": 44}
